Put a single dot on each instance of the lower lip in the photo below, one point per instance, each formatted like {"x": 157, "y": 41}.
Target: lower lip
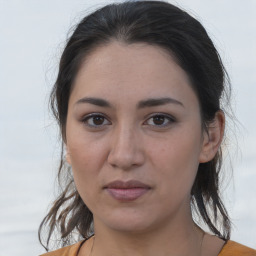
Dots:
{"x": 128, "y": 194}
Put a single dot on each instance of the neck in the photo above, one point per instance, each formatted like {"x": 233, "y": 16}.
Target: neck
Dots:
{"x": 178, "y": 238}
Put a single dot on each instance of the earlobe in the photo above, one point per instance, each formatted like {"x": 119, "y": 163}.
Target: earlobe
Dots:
{"x": 212, "y": 138}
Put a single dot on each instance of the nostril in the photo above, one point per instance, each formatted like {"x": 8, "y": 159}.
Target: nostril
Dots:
{"x": 126, "y": 149}
{"x": 122, "y": 160}
{"x": 125, "y": 158}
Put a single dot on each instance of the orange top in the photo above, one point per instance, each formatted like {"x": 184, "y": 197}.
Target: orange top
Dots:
{"x": 230, "y": 248}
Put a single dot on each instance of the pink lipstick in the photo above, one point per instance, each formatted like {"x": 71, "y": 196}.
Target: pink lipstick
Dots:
{"x": 126, "y": 191}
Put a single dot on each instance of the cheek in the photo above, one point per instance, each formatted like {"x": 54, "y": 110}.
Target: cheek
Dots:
{"x": 87, "y": 157}
{"x": 83, "y": 149}
{"x": 86, "y": 165}
{"x": 176, "y": 160}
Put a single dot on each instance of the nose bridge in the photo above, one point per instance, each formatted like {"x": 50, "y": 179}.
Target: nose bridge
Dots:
{"x": 125, "y": 150}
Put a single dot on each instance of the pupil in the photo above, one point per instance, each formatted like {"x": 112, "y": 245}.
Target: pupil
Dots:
{"x": 98, "y": 120}
{"x": 158, "y": 120}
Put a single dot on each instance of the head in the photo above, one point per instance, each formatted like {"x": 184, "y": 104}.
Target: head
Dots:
{"x": 162, "y": 31}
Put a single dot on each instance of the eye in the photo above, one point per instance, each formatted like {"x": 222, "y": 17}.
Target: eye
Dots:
{"x": 95, "y": 120}
{"x": 160, "y": 120}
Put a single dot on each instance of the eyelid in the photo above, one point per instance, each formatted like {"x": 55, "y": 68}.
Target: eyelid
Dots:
{"x": 167, "y": 116}
{"x": 91, "y": 115}
{"x": 87, "y": 117}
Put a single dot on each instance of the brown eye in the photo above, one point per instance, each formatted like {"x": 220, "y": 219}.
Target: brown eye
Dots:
{"x": 95, "y": 120}
{"x": 98, "y": 120}
{"x": 160, "y": 120}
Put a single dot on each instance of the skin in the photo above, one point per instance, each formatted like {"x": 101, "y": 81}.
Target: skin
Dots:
{"x": 127, "y": 143}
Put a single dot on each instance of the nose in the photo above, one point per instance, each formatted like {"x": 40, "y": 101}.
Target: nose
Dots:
{"x": 126, "y": 150}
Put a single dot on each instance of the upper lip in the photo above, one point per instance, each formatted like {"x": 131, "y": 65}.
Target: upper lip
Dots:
{"x": 126, "y": 184}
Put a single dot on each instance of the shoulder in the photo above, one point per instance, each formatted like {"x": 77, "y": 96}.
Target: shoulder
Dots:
{"x": 232, "y": 248}
{"x": 71, "y": 250}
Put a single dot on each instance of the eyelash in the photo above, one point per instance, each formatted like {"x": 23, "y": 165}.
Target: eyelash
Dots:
{"x": 165, "y": 116}
{"x": 161, "y": 115}
{"x": 90, "y": 117}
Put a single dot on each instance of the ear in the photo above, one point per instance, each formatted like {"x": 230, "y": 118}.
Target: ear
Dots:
{"x": 67, "y": 155}
{"x": 212, "y": 138}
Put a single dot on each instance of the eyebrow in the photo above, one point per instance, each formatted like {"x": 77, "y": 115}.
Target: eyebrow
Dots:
{"x": 94, "y": 101}
{"x": 152, "y": 102}
{"x": 157, "y": 102}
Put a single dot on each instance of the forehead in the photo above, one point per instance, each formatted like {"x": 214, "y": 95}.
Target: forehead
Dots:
{"x": 134, "y": 71}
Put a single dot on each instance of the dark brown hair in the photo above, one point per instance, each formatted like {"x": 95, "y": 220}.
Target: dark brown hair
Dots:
{"x": 160, "y": 24}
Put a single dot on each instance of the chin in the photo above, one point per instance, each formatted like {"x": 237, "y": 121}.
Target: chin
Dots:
{"x": 131, "y": 227}
{"x": 129, "y": 222}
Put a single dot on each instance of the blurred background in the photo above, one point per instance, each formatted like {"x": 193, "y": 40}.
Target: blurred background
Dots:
{"x": 32, "y": 36}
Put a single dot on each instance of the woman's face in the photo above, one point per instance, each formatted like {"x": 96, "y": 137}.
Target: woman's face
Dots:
{"x": 134, "y": 137}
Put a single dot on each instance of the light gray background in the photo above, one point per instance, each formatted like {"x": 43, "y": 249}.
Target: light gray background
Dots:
{"x": 32, "y": 35}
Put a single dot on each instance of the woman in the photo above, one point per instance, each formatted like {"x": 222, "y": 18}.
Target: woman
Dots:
{"x": 137, "y": 99}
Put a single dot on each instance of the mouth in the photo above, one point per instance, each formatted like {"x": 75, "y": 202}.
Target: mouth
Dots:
{"x": 127, "y": 190}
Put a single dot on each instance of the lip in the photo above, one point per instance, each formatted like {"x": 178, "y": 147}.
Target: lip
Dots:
{"x": 126, "y": 190}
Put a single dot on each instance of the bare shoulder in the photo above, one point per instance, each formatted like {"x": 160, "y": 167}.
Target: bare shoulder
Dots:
{"x": 236, "y": 249}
